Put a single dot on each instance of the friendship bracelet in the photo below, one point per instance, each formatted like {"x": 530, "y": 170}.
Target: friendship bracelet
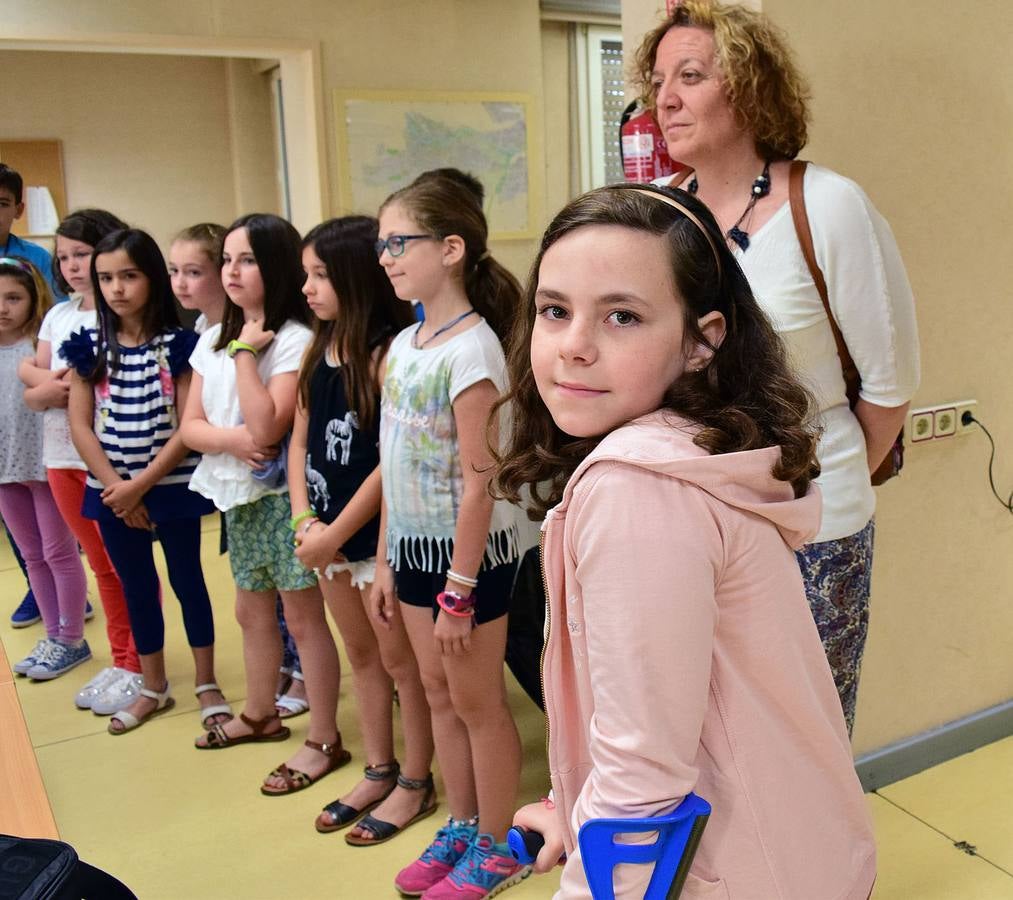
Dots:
{"x": 305, "y": 514}
{"x": 462, "y": 579}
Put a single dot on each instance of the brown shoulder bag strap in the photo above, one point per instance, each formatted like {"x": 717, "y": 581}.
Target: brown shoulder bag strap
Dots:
{"x": 796, "y": 199}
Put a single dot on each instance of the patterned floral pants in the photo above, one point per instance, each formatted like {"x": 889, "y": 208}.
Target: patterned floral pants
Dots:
{"x": 838, "y": 580}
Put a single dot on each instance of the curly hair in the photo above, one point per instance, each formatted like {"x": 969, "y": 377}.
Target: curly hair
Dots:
{"x": 765, "y": 89}
{"x": 745, "y": 398}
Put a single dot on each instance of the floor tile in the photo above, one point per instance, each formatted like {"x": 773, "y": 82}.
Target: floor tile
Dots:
{"x": 917, "y": 863}
{"x": 969, "y": 798}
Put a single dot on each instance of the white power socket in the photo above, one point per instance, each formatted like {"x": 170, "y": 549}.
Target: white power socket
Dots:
{"x": 962, "y": 407}
{"x": 943, "y": 420}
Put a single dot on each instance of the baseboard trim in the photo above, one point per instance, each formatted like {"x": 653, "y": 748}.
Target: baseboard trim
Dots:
{"x": 915, "y": 754}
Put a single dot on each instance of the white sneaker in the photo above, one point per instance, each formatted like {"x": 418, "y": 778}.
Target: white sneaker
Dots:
{"x": 119, "y": 695}
{"x": 100, "y": 683}
{"x": 40, "y": 651}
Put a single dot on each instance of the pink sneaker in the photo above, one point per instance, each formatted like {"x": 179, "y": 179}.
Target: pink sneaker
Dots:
{"x": 437, "y": 860}
{"x": 482, "y": 872}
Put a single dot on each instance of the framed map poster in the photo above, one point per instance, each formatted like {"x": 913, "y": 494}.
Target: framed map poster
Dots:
{"x": 387, "y": 138}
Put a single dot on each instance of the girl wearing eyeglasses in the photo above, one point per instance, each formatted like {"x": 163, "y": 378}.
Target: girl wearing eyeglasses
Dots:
{"x": 447, "y": 552}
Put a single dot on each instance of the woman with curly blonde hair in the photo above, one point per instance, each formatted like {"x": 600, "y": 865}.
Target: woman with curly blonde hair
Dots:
{"x": 733, "y": 107}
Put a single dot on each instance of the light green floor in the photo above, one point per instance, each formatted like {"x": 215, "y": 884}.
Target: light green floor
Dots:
{"x": 176, "y": 823}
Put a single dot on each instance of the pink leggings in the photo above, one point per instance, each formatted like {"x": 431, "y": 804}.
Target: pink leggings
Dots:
{"x": 68, "y": 492}
{"x": 50, "y": 552}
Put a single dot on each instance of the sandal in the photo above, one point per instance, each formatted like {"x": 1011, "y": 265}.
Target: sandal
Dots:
{"x": 384, "y": 831}
{"x": 217, "y": 739}
{"x": 216, "y": 709}
{"x": 296, "y": 781}
{"x": 342, "y": 815}
{"x": 163, "y": 702}
{"x": 292, "y": 706}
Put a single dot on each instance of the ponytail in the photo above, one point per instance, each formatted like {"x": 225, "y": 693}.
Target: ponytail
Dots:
{"x": 444, "y": 204}
{"x": 494, "y": 292}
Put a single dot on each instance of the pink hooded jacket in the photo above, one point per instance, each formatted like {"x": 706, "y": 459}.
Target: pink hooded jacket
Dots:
{"x": 681, "y": 656}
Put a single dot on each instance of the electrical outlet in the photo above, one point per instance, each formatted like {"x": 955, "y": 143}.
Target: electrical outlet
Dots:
{"x": 963, "y": 407}
{"x": 945, "y": 422}
{"x": 921, "y": 425}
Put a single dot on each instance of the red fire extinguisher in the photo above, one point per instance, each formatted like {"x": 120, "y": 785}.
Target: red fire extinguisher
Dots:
{"x": 642, "y": 146}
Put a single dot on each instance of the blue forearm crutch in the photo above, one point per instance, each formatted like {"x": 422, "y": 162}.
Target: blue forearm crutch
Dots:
{"x": 672, "y": 853}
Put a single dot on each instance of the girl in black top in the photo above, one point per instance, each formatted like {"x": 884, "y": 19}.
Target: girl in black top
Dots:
{"x": 334, "y": 482}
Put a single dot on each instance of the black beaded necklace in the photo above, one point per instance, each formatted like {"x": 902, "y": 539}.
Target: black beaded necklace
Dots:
{"x": 760, "y": 188}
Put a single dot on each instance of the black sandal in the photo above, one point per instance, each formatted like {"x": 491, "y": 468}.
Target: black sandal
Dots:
{"x": 342, "y": 815}
{"x": 383, "y": 831}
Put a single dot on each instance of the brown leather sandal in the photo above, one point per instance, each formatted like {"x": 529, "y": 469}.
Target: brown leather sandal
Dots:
{"x": 217, "y": 739}
{"x": 381, "y": 831}
{"x": 337, "y": 815}
{"x": 296, "y": 781}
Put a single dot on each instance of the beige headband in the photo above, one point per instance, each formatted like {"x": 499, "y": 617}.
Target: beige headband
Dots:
{"x": 675, "y": 204}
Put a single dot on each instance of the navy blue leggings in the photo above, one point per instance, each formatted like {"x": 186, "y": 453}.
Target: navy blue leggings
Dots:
{"x": 132, "y": 553}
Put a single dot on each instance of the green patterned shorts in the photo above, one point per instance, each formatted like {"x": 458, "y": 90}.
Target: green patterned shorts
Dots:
{"x": 261, "y": 552}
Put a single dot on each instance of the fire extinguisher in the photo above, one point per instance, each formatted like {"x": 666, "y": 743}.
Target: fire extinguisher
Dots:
{"x": 642, "y": 146}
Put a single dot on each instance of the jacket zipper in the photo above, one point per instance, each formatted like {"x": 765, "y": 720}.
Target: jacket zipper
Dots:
{"x": 548, "y": 629}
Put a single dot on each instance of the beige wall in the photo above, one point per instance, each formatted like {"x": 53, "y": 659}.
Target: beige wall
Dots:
{"x": 144, "y": 136}
{"x": 916, "y": 110}
{"x": 480, "y": 45}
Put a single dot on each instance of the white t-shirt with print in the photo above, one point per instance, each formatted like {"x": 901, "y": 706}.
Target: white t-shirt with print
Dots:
{"x": 226, "y": 481}
{"x": 58, "y": 451}
{"x": 419, "y": 452}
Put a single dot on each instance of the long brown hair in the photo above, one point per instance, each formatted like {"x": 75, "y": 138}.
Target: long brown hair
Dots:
{"x": 369, "y": 313}
{"x": 443, "y": 206}
{"x": 276, "y": 246}
{"x": 746, "y": 397}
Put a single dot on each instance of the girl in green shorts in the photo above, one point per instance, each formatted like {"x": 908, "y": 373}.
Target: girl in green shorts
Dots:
{"x": 238, "y": 414}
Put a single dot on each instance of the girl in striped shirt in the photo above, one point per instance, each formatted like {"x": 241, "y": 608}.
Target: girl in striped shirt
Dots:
{"x": 130, "y": 381}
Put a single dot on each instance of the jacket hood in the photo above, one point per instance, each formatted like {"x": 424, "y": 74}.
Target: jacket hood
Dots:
{"x": 663, "y": 442}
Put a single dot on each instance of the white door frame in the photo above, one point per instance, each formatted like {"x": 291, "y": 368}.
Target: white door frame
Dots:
{"x": 300, "y": 73}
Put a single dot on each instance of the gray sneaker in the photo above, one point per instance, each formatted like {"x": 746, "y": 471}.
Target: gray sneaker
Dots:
{"x": 58, "y": 659}
{"x": 119, "y": 695}
{"x": 24, "y": 666}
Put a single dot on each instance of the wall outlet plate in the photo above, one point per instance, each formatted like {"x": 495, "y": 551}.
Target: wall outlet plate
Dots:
{"x": 962, "y": 407}
{"x": 922, "y": 425}
{"x": 945, "y": 423}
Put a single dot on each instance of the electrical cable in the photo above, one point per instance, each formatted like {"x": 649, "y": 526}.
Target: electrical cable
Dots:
{"x": 966, "y": 419}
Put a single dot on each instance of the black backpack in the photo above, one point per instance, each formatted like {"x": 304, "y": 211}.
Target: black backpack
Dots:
{"x": 37, "y": 869}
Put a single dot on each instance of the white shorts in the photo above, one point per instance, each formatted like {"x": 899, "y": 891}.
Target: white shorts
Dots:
{"x": 363, "y": 572}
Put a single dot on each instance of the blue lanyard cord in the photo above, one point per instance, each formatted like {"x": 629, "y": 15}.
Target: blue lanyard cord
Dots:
{"x": 439, "y": 331}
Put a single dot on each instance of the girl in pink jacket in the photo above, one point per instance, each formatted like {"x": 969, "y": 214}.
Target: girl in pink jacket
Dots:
{"x": 668, "y": 445}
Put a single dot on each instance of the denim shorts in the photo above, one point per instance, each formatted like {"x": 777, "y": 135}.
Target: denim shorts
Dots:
{"x": 362, "y": 571}
{"x": 492, "y": 594}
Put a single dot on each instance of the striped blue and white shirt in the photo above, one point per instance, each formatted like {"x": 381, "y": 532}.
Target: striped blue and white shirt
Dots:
{"x": 135, "y": 415}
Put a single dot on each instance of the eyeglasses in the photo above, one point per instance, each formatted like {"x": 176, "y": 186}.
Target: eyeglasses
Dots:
{"x": 396, "y": 244}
